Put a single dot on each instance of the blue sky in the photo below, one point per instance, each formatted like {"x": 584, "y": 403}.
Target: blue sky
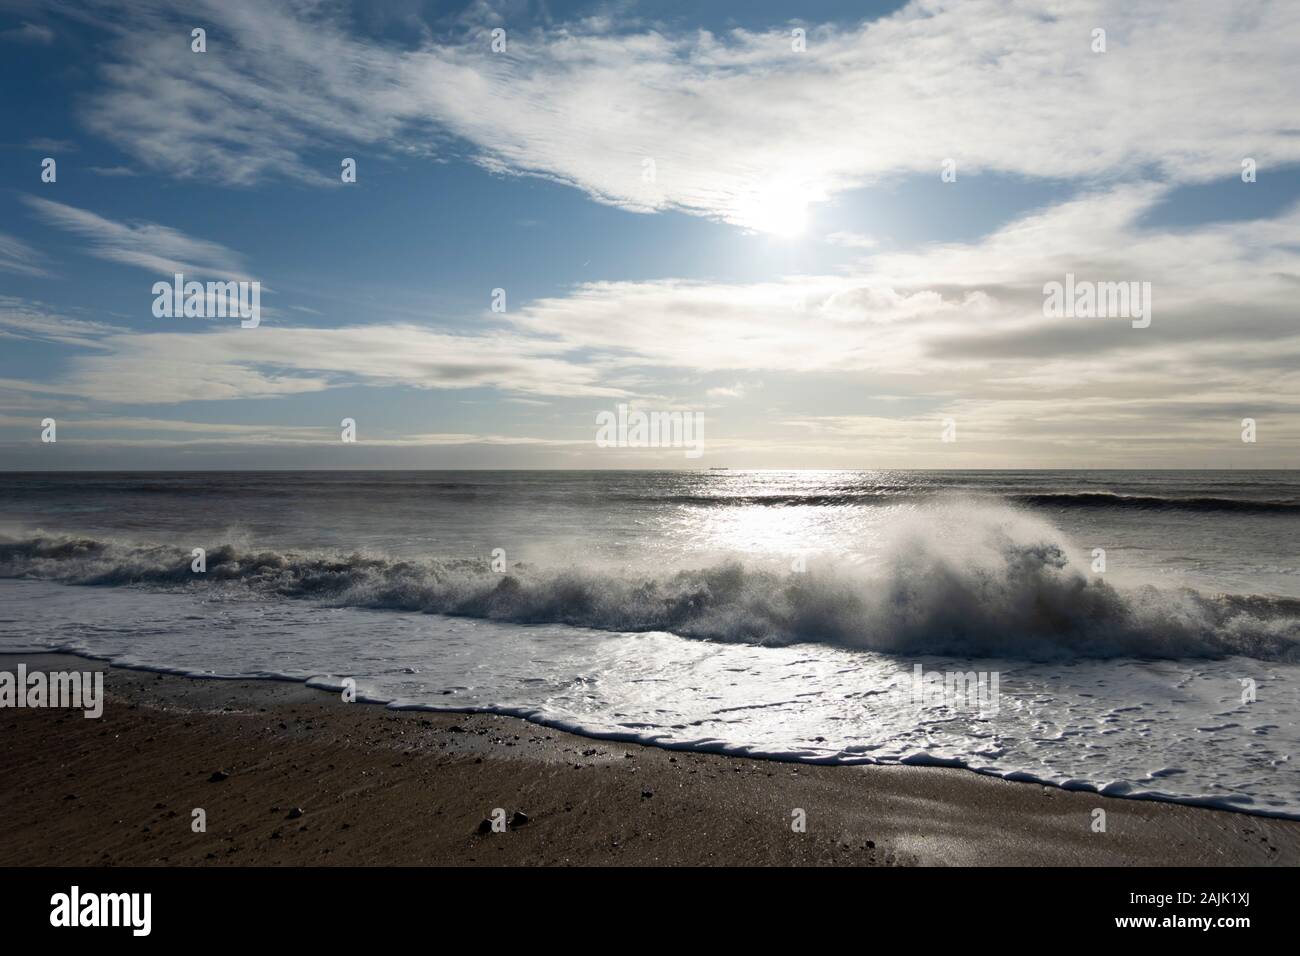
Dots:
{"x": 797, "y": 270}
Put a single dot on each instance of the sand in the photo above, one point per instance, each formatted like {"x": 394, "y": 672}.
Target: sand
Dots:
{"x": 311, "y": 780}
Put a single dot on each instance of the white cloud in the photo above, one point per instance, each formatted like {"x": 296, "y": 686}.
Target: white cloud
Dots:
{"x": 1226, "y": 285}
{"x": 726, "y": 391}
{"x": 18, "y": 257}
{"x": 959, "y": 330}
{"x": 270, "y": 361}
{"x": 47, "y": 145}
{"x": 739, "y": 126}
{"x": 852, "y": 240}
{"x": 742, "y": 129}
{"x": 957, "y": 327}
{"x": 20, "y": 319}
{"x": 29, "y": 33}
{"x": 160, "y": 250}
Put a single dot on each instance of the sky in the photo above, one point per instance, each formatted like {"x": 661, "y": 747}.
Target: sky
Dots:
{"x": 822, "y": 229}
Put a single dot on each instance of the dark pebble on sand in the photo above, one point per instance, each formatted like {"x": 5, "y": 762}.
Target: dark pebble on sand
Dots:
{"x": 218, "y": 776}
{"x": 294, "y": 814}
{"x": 518, "y": 818}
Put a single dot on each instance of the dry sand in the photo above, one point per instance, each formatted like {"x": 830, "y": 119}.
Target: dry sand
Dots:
{"x": 377, "y": 786}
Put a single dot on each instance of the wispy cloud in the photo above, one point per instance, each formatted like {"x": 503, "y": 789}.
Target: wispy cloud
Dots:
{"x": 158, "y": 249}
{"x": 951, "y": 330}
{"x": 960, "y": 328}
{"x": 726, "y": 391}
{"x": 46, "y": 145}
{"x": 171, "y": 367}
{"x": 855, "y": 367}
{"x": 20, "y": 319}
{"x": 113, "y": 171}
{"x": 29, "y": 33}
{"x": 852, "y": 240}
{"x": 735, "y": 122}
{"x": 18, "y": 257}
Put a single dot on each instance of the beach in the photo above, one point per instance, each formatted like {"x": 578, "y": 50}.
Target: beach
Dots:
{"x": 289, "y": 775}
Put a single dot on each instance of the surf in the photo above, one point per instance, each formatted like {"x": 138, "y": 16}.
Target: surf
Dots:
{"x": 965, "y": 579}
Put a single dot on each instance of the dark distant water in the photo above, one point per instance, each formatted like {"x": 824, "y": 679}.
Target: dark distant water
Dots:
{"x": 768, "y": 612}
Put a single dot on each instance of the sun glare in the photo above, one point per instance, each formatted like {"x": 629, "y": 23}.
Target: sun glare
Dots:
{"x": 779, "y": 209}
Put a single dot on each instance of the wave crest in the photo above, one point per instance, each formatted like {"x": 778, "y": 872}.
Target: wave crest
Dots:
{"x": 985, "y": 582}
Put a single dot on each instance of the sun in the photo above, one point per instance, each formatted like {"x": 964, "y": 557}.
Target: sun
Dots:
{"x": 778, "y": 209}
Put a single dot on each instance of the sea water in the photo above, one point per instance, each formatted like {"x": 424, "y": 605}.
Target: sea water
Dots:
{"x": 1141, "y": 628}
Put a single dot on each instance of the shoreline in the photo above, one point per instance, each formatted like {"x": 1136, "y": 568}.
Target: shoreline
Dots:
{"x": 383, "y": 786}
{"x": 319, "y": 684}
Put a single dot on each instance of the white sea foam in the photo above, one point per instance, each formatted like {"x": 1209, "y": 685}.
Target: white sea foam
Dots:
{"x": 1173, "y": 729}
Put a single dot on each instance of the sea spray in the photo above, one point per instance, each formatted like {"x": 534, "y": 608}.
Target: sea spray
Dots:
{"x": 969, "y": 579}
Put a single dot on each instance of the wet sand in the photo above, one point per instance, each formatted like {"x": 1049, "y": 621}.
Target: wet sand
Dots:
{"x": 289, "y": 775}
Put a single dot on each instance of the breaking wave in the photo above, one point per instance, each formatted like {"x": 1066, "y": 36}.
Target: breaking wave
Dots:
{"x": 980, "y": 581}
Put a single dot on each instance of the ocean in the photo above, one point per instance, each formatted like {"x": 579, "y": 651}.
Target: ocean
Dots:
{"x": 1132, "y": 633}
